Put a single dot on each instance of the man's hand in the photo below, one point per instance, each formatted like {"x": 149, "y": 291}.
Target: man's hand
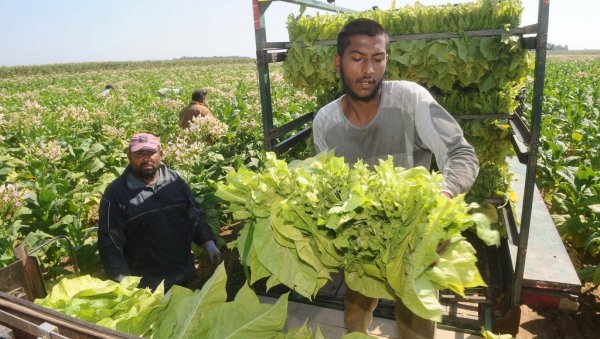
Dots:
{"x": 120, "y": 278}
{"x": 214, "y": 255}
{"x": 447, "y": 194}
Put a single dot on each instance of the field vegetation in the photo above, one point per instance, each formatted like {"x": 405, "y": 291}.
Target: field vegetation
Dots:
{"x": 62, "y": 141}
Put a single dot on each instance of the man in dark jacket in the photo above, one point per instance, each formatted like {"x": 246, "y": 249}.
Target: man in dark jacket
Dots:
{"x": 148, "y": 220}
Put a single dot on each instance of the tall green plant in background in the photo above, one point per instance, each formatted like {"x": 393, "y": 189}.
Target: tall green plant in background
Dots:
{"x": 569, "y": 161}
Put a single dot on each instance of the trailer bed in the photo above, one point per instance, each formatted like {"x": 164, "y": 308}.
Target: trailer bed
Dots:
{"x": 549, "y": 278}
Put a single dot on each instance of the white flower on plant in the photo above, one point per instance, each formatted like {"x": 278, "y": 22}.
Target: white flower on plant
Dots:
{"x": 182, "y": 151}
{"x": 33, "y": 106}
{"x": 74, "y": 113}
{"x": 206, "y": 128}
{"x": 167, "y": 103}
{"x": 113, "y": 133}
{"x": 248, "y": 125}
{"x": 51, "y": 151}
{"x": 13, "y": 197}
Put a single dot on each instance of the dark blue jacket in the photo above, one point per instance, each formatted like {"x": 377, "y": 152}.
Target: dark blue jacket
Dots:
{"x": 147, "y": 231}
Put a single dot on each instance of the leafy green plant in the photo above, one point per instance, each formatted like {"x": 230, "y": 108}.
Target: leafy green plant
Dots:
{"x": 569, "y": 158}
{"x": 12, "y": 207}
{"x": 180, "y": 313}
{"x": 383, "y": 226}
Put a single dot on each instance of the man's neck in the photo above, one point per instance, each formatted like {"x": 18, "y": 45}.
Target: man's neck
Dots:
{"x": 360, "y": 113}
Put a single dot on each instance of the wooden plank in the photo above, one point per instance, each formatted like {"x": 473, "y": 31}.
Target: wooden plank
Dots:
{"x": 292, "y": 125}
{"x": 6, "y": 333}
{"x": 43, "y": 331}
{"x": 31, "y": 273}
{"x": 12, "y": 280}
{"x": 68, "y": 326}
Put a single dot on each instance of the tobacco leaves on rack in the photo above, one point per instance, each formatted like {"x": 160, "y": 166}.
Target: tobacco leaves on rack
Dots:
{"x": 468, "y": 75}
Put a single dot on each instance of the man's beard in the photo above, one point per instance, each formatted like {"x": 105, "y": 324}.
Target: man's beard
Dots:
{"x": 144, "y": 174}
{"x": 348, "y": 90}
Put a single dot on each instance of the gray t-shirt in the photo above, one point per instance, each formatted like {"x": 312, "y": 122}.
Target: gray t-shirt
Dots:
{"x": 411, "y": 126}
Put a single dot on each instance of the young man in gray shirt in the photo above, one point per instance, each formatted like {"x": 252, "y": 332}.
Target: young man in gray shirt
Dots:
{"x": 377, "y": 118}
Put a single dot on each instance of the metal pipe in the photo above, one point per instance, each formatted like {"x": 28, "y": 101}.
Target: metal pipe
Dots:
{"x": 536, "y": 113}
{"x": 69, "y": 245}
{"x": 264, "y": 85}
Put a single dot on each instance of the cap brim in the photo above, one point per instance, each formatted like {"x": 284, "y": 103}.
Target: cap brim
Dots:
{"x": 137, "y": 148}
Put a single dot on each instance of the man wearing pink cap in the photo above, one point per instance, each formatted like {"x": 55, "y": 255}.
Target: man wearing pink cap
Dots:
{"x": 148, "y": 220}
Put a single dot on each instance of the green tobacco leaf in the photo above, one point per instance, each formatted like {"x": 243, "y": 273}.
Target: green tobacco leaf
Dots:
{"x": 421, "y": 297}
{"x": 185, "y": 309}
{"x": 245, "y": 317}
{"x": 367, "y": 285}
{"x": 283, "y": 262}
{"x": 303, "y": 332}
{"x": 489, "y": 48}
{"x": 382, "y": 225}
{"x": 121, "y": 306}
{"x": 456, "y": 269}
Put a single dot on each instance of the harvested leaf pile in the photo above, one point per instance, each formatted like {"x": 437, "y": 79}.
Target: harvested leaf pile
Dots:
{"x": 382, "y": 226}
{"x": 180, "y": 313}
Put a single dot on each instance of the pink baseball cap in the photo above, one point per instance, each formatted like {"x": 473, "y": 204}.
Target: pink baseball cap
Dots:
{"x": 144, "y": 141}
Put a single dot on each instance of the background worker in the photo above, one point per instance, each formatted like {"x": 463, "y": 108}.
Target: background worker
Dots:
{"x": 148, "y": 220}
{"x": 377, "y": 118}
{"x": 197, "y": 107}
{"x": 107, "y": 90}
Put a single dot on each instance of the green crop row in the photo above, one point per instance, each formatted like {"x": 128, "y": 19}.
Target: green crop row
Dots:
{"x": 62, "y": 141}
{"x": 569, "y": 161}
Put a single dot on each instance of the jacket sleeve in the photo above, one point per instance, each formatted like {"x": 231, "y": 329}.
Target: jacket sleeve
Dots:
{"x": 441, "y": 134}
{"x": 201, "y": 230}
{"x": 111, "y": 237}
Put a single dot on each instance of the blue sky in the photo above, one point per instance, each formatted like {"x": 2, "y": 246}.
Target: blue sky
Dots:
{"x": 59, "y": 31}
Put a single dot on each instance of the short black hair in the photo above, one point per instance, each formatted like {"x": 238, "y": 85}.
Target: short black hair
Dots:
{"x": 361, "y": 26}
{"x": 198, "y": 95}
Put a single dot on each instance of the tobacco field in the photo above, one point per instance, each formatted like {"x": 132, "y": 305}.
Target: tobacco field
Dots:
{"x": 62, "y": 141}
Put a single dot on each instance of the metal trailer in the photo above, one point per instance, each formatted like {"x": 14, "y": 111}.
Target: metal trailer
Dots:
{"x": 532, "y": 266}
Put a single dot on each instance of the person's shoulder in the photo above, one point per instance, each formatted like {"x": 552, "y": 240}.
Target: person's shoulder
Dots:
{"x": 403, "y": 85}
{"x": 328, "y": 109}
{"x": 408, "y": 90}
{"x": 115, "y": 187}
{"x": 170, "y": 174}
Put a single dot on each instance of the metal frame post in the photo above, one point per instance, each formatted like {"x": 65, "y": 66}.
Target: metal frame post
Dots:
{"x": 538, "y": 97}
{"x": 262, "y": 63}
{"x": 264, "y": 82}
